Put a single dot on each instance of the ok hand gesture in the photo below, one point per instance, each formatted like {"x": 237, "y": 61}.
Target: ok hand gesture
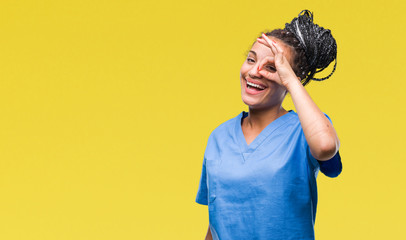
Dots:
{"x": 284, "y": 71}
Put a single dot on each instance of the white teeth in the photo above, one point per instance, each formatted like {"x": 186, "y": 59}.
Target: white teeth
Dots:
{"x": 255, "y": 85}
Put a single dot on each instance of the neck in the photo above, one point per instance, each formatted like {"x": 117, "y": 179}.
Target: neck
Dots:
{"x": 258, "y": 119}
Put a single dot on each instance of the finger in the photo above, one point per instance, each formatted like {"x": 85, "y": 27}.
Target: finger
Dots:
{"x": 267, "y": 74}
{"x": 266, "y": 60}
{"x": 278, "y": 48}
{"x": 270, "y": 42}
{"x": 280, "y": 58}
{"x": 271, "y": 76}
{"x": 260, "y": 40}
{"x": 274, "y": 49}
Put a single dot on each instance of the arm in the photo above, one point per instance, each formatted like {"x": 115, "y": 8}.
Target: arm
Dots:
{"x": 319, "y": 132}
{"x": 208, "y": 235}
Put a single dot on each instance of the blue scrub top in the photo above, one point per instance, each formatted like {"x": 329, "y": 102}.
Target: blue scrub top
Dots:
{"x": 264, "y": 190}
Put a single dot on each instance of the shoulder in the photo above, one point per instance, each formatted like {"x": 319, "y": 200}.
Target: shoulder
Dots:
{"x": 223, "y": 133}
{"x": 292, "y": 120}
{"x": 226, "y": 126}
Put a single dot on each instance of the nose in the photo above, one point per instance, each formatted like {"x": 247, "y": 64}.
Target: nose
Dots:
{"x": 253, "y": 72}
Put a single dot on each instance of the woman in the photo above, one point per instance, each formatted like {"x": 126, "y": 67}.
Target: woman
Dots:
{"x": 260, "y": 168}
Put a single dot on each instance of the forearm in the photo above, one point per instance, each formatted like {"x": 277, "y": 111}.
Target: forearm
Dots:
{"x": 319, "y": 132}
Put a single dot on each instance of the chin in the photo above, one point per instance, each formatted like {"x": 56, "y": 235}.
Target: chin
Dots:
{"x": 249, "y": 101}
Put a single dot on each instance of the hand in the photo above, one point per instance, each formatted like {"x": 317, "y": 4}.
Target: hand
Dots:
{"x": 285, "y": 73}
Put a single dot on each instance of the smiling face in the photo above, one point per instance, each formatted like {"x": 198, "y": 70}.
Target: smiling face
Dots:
{"x": 256, "y": 91}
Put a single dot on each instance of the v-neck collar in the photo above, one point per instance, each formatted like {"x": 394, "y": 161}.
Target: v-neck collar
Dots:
{"x": 247, "y": 149}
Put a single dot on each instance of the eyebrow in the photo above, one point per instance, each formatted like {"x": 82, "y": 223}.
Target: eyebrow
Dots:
{"x": 253, "y": 52}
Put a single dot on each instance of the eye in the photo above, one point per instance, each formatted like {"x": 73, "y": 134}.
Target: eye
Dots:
{"x": 271, "y": 68}
{"x": 250, "y": 60}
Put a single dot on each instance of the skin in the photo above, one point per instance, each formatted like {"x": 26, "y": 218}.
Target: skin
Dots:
{"x": 267, "y": 106}
{"x": 208, "y": 235}
{"x": 271, "y": 65}
{"x": 319, "y": 132}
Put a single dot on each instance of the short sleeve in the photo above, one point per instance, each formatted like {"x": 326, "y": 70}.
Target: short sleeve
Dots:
{"x": 331, "y": 167}
{"x": 202, "y": 193}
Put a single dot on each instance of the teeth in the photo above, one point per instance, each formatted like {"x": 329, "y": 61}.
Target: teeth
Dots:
{"x": 255, "y": 85}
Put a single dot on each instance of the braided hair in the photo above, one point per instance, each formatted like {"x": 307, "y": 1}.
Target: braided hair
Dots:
{"x": 315, "y": 47}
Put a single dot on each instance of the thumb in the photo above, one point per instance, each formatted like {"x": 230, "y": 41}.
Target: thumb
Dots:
{"x": 266, "y": 60}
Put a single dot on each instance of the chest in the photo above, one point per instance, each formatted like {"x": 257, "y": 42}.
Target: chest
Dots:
{"x": 250, "y": 135}
{"x": 276, "y": 171}
{"x": 250, "y": 153}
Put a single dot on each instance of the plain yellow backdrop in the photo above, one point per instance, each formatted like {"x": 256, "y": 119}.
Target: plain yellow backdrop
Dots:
{"x": 106, "y": 107}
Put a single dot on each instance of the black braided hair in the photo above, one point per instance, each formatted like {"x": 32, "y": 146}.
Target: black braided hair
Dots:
{"x": 315, "y": 47}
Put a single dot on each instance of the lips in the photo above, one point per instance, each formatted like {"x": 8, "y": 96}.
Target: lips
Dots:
{"x": 250, "y": 89}
{"x": 256, "y": 82}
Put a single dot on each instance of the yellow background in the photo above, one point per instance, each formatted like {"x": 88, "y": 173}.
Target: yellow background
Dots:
{"x": 106, "y": 108}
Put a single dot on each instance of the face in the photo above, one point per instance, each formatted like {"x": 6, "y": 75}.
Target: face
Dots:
{"x": 272, "y": 93}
